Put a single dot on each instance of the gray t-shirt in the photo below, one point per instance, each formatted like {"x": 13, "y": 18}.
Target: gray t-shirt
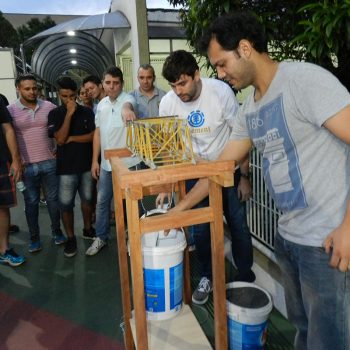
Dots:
{"x": 147, "y": 107}
{"x": 306, "y": 168}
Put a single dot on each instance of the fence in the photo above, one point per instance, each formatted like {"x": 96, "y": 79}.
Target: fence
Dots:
{"x": 262, "y": 214}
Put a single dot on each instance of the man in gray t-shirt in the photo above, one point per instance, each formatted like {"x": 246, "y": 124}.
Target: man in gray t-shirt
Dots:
{"x": 298, "y": 117}
{"x": 147, "y": 95}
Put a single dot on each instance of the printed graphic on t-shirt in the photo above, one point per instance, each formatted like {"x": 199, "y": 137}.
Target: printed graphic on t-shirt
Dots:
{"x": 196, "y": 120}
{"x": 270, "y": 134}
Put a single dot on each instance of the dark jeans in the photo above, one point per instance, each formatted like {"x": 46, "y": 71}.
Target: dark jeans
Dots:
{"x": 317, "y": 296}
{"x": 235, "y": 214}
{"x": 35, "y": 175}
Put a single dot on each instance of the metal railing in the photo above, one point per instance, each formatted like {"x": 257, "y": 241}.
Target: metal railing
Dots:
{"x": 262, "y": 214}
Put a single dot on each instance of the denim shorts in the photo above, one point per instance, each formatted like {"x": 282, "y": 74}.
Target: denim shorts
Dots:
{"x": 70, "y": 184}
{"x": 7, "y": 187}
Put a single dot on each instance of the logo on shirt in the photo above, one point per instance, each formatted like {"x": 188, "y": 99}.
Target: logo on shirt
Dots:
{"x": 196, "y": 119}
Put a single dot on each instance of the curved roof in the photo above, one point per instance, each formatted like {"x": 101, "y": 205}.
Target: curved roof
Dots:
{"x": 102, "y": 21}
{"x": 52, "y": 57}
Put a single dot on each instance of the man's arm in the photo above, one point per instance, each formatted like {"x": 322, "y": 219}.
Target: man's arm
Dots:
{"x": 338, "y": 241}
{"x": 244, "y": 188}
{"x": 128, "y": 112}
{"x": 62, "y": 134}
{"x": 339, "y": 125}
{"x": 234, "y": 150}
{"x": 95, "y": 167}
{"x": 16, "y": 165}
{"x": 81, "y": 138}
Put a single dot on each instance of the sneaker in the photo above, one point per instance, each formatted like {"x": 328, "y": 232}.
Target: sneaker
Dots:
{"x": 60, "y": 238}
{"x": 95, "y": 247}
{"x": 201, "y": 294}
{"x": 11, "y": 258}
{"x": 42, "y": 202}
{"x": 89, "y": 234}
{"x": 35, "y": 247}
{"x": 70, "y": 249}
{"x": 13, "y": 229}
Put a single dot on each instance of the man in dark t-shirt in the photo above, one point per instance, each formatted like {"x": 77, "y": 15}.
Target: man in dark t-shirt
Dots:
{"x": 10, "y": 172}
{"x": 73, "y": 127}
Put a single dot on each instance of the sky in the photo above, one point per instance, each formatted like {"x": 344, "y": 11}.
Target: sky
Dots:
{"x": 67, "y": 7}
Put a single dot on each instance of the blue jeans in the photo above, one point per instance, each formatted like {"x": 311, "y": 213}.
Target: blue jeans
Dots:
{"x": 103, "y": 206}
{"x": 70, "y": 184}
{"x": 317, "y": 296}
{"x": 235, "y": 214}
{"x": 36, "y": 175}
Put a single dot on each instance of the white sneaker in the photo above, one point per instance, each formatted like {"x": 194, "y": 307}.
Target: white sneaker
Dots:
{"x": 95, "y": 247}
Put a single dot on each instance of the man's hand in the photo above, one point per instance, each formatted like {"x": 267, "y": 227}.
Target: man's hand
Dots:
{"x": 128, "y": 113}
{"x": 160, "y": 200}
{"x": 244, "y": 189}
{"x": 71, "y": 107}
{"x": 95, "y": 170}
{"x": 338, "y": 242}
{"x": 16, "y": 169}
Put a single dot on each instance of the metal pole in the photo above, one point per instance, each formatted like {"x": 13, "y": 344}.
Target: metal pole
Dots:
{"x": 23, "y": 57}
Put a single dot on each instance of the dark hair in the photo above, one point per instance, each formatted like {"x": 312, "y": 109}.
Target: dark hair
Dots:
{"x": 23, "y": 77}
{"x": 67, "y": 83}
{"x": 115, "y": 72}
{"x": 93, "y": 79}
{"x": 178, "y": 63}
{"x": 231, "y": 28}
{"x": 147, "y": 66}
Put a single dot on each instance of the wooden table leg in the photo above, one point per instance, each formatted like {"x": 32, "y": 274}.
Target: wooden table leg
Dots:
{"x": 137, "y": 272}
{"x": 123, "y": 263}
{"x": 218, "y": 265}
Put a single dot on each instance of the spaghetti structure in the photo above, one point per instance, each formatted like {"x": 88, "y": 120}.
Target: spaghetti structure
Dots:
{"x": 160, "y": 141}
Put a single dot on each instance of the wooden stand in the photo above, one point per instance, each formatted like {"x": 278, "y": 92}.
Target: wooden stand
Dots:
{"x": 133, "y": 185}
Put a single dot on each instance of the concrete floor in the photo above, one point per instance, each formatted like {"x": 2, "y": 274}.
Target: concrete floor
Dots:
{"x": 54, "y": 302}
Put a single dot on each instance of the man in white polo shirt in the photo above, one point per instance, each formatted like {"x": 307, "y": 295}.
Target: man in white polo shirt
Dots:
{"x": 110, "y": 133}
{"x": 30, "y": 117}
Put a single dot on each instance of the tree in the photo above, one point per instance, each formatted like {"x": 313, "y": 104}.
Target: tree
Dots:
{"x": 31, "y": 28}
{"x": 9, "y": 36}
{"x": 318, "y": 32}
{"x": 325, "y": 36}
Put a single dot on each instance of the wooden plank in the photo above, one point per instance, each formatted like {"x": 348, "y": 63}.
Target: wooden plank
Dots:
{"x": 117, "y": 152}
{"x": 137, "y": 272}
{"x": 182, "y": 332}
{"x": 174, "y": 174}
{"x": 218, "y": 265}
{"x": 224, "y": 180}
{"x": 123, "y": 262}
{"x": 187, "y": 269}
{"x": 174, "y": 219}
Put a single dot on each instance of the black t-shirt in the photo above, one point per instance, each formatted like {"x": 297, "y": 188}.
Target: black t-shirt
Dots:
{"x": 73, "y": 157}
{"x": 5, "y": 117}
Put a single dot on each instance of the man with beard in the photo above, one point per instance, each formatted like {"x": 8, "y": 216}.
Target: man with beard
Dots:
{"x": 30, "y": 117}
{"x": 210, "y": 107}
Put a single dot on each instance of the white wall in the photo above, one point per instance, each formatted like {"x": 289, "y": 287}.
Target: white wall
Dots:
{"x": 135, "y": 12}
{"x": 7, "y": 74}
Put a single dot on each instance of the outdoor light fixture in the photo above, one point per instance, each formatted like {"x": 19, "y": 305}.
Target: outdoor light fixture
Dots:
{"x": 73, "y": 50}
{"x": 71, "y": 33}
{"x": 73, "y": 62}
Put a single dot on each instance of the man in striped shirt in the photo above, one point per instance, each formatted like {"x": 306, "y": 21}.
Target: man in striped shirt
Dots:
{"x": 30, "y": 120}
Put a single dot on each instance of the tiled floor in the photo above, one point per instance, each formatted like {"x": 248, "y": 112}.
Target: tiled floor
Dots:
{"x": 54, "y": 302}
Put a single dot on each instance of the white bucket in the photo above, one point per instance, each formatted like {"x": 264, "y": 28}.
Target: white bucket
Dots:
{"x": 248, "y": 308}
{"x": 163, "y": 271}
